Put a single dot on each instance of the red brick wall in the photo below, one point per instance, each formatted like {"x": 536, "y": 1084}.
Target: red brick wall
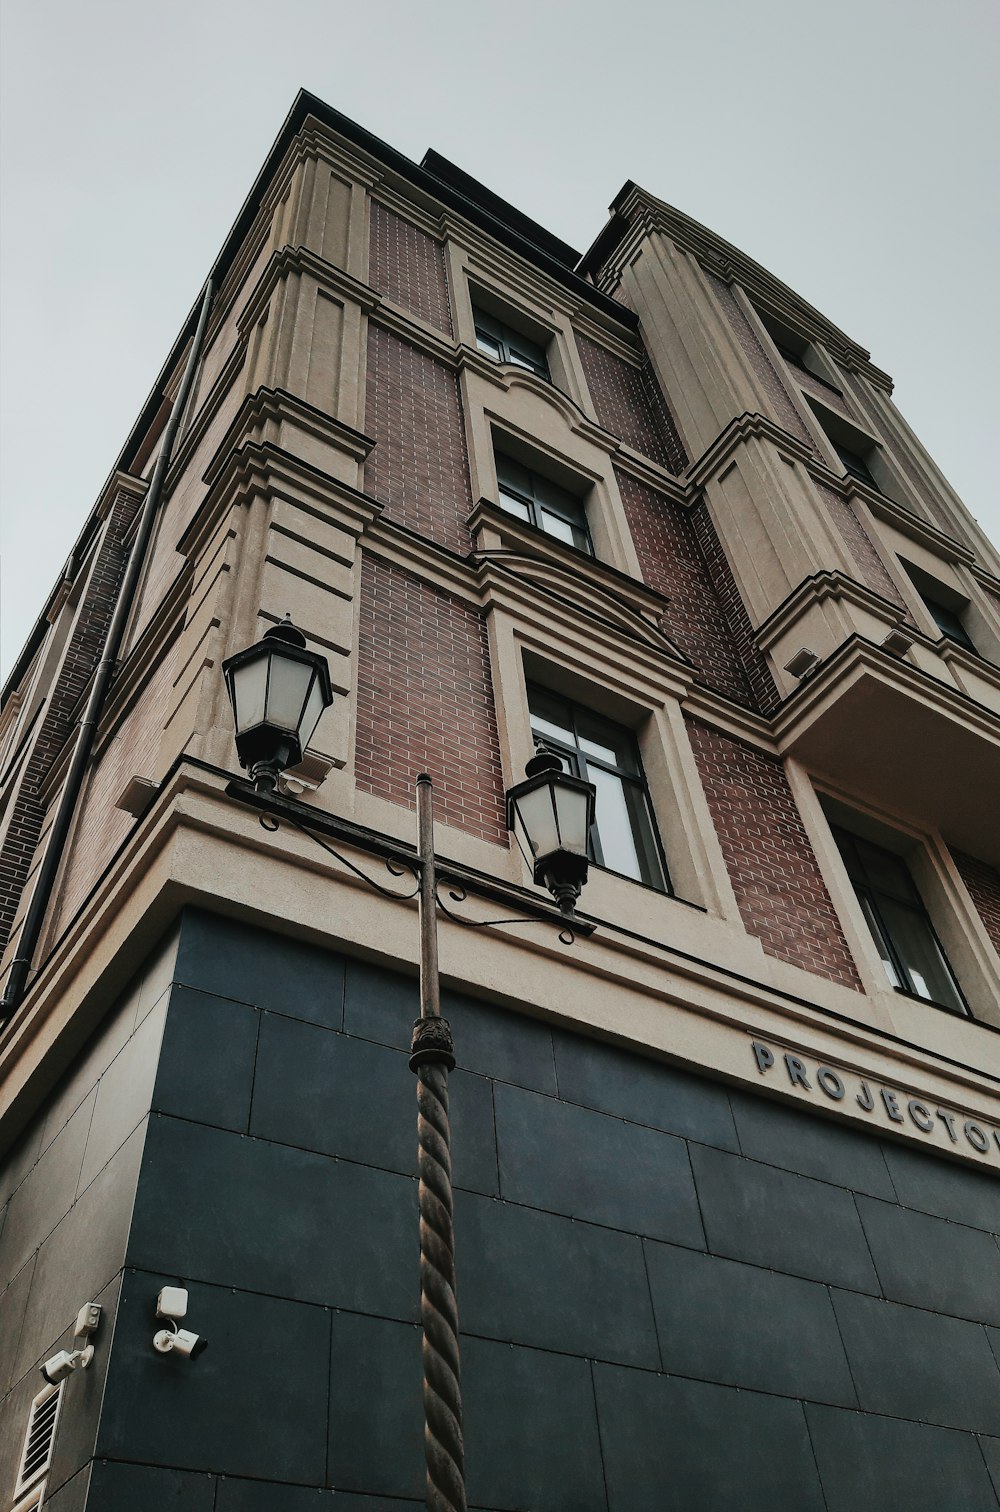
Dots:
{"x": 58, "y": 723}
{"x": 681, "y": 556}
{"x": 673, "y": 563}
{"x": 628, "y": 402}
{"x": 408, "y": 267}
{"x": 781, "y": 894}
{"x": 872, "y": 568}
{"x": 419, "y": 467}
{"x": 983, "y": 884}
{"x": 425, "y": 701}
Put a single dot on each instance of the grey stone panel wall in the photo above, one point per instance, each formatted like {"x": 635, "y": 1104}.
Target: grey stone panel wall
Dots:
{"x": 673, "y": 1295}
{"x": 67, "y": 1186}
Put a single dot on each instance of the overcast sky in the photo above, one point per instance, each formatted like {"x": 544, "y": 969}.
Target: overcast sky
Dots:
{"x": 850, "y": 148}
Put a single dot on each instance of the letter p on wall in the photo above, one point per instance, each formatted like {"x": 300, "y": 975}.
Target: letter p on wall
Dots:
{"x": 763, "y": 1056}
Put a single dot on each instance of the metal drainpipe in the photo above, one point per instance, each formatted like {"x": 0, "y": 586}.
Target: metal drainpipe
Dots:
{"x": 86, "y": 735}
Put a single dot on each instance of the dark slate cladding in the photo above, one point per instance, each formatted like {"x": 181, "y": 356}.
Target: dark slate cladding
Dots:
{"x": 674, "y": 1297}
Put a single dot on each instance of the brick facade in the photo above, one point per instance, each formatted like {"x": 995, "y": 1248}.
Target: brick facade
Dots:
{"x": 628, "y": 402}
{"x": 733, "y": 608}
{"x": 781, "y": 895}
{"x": 419, "y": 468}
{"x": 873, "y": 570}
{"x": 673, "y": 563}
{"x": 983, "y": 884}
{"x": 408, "y": 267}
{"x": 425, "y": 701}
{"x": 79, "y": 663}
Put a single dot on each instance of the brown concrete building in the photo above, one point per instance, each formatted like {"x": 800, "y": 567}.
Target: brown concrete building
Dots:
{"x": 726, "y": 1169}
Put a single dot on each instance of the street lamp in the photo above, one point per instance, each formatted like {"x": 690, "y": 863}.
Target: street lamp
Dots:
{"x": 278, "y": 690}
{"x": 551, "y": 816}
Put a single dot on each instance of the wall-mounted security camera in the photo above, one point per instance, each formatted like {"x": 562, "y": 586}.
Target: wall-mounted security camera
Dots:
{"x": 65, "y": 1362}
{"x": 171, "y": 1304}
{"x": 181, "y": 1342}
{"x": 60, "y": 1365}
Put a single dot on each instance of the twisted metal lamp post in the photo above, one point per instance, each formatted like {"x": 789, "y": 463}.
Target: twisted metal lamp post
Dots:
{"x": 278, "y": 690}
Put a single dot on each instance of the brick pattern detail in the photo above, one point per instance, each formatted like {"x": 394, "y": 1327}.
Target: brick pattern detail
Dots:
{"x": 983, "y": 884}
{"x": 408, "y": 267}
{"x": 59, "y": 721}
{"x": 783, "y": 411}
{"x": 674, "y": 564}
{"x": 425, "y": 701}
{"x": 628, "y": 402}
{"x": 419, "y": 468}
{"x": 733, "y": 608}
{"x": 133, "y": 752}
{"x": 871, "y": 566}
{"x": 781, "y": 895}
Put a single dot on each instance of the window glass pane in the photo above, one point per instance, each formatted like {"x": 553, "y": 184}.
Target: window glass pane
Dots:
{"x": 614, "y": 825}
{"x": 949, "y": 623}
{"x": 557, "y": 731}
{"x": 887, "y": 872}
{"x": 601, "y": 739}
{"x": 527, "y": 353}
{"x": 512, "y": 475}
{"x": 921, "y": 955}
{"x": 879, "y": 939}
{"x": 553, "y": 525}
{"x": 489, "y": 346}
{"x": 514, "y": 505}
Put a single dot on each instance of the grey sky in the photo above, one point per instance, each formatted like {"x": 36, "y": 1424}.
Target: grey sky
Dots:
{"x": 848, "y": 148}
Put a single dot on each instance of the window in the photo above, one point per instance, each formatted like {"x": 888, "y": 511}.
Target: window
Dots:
{"x": 504, "y": 344}
{"x": 948, "y": 622}
{"x": 911, "y": 952}
{"x": 855, "y": 465}
{"x": 543, "y": 504}
{"x": 944, "y": 605}
{"x": 623, "y": 838}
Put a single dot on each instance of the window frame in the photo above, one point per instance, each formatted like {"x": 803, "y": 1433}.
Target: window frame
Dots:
{"x": 538, "y": 506}
{"x": 508, "y": 339}
{"x": 869, "y": 895}
{"x": 650, "y": 858}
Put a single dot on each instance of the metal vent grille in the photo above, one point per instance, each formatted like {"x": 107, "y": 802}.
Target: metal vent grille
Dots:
{"x": 36, "y": 1456}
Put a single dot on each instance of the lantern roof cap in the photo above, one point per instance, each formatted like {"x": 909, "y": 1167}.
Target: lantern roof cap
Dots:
{"x": 287, "y": 632}
{"x": 543, "y": 761}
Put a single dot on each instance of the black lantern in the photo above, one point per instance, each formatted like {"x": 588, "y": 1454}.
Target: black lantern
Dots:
{"x": 278, "y": 691}
{"x": 551, "y": 815}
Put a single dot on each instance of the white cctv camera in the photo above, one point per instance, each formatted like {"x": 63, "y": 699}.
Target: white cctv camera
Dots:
{"x": 179, "y": 1341}
{"x": 64, "y": 1363}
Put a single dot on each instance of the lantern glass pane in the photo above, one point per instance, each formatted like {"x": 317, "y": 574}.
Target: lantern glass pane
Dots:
{"x": 249, "y": 690}
{"x": 571, "y": 809}
{"x": 314, "y": 708}
{"x": 286, "y": 694}
{"x": 538, "y": 820}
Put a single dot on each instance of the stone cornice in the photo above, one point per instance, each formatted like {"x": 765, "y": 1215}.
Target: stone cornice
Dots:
{"x": 857, "y": 653}
{"x": 290, "y": 260}
{"x": 593, "y": 591}
{"x": 814, "y": 590}
{"x": 736, "y": 433}
{"x": 267, "y": 406}
{"x": 908, "y": 523}
{"x": 644, "y": 215}
{"x": 263, "y": 468}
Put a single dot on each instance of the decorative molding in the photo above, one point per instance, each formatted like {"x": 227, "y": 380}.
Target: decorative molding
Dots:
{"x": 815, "y": 590}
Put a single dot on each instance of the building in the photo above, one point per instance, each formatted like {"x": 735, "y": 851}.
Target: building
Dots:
{"x": 726, "y": 1169}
